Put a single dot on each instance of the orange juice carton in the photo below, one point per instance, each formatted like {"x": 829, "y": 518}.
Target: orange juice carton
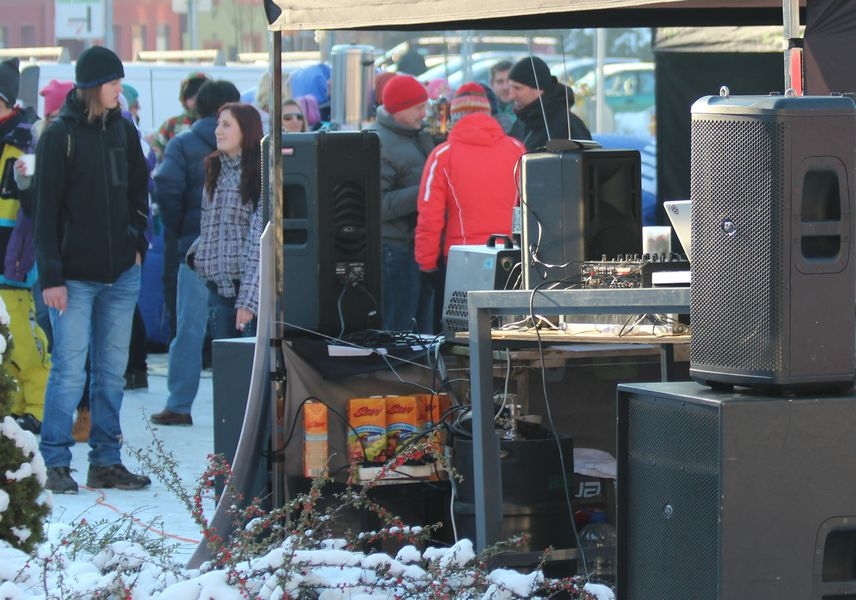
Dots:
{"x": 405, "y": 420}
{"x": 433, "y": 407}
{"x": 367, "y": 429}
{"x": 314, "y": 438}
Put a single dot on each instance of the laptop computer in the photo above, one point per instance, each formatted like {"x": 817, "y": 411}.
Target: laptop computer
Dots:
{"x": 679, "y": 214}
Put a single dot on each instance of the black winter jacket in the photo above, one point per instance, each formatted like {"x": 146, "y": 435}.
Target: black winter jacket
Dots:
{"x": 530, "y": 128}
{"x": 180, "y": 179}
{"x": 91, "y": 187}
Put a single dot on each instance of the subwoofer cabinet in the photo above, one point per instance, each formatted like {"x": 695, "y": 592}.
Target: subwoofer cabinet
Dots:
{"x": 725, "y": 496}
{"x": 773, "y": 272}
{"x": 232, "y": 366}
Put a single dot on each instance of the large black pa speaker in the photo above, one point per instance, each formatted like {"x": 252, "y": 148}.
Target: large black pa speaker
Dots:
{"x": 577, "y": 205}
{"x": 773, "y": 274}
{"x": 331, "y": 231}
{"x": 724, "y": 496}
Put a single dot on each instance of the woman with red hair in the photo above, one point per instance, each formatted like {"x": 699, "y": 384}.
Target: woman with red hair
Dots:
{"x": 226, "y": 253}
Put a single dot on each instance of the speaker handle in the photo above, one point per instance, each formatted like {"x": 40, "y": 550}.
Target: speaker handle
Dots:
{"x": 508, "y": 243}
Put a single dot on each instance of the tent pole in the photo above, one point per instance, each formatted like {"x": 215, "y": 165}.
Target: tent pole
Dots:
{"x": 279, "y": 486}
{"x": 792, "y": 46}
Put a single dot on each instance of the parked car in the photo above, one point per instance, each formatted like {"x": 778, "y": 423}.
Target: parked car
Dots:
{"x": 435, "y": 48}
{"x": 628, "y": 86}
{"x": 480, "y": 64}
{"x": 570, "y": 71}
{"x": 565, "y": 70}
{"x": 158, "y": 84}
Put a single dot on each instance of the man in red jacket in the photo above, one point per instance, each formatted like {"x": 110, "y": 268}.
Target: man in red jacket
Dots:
{"x": 469, "y": 186}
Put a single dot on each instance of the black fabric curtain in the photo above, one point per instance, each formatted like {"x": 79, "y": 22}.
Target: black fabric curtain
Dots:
{"x": 683, "y": 78}
{"x": 830, "y": 45}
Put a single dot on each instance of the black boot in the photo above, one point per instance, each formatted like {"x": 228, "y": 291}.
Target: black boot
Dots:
{"x": 115, "y": 476}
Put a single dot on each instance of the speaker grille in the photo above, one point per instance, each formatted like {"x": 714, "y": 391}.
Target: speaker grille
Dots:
{"x": 349, "y": 222}
{"x": 737, "y": 229}
{"x": 672, "y": 500}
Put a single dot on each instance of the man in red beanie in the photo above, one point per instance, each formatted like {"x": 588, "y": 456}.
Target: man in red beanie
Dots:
{"x": 403, "y": 151}
{"x": 468, "y": 188}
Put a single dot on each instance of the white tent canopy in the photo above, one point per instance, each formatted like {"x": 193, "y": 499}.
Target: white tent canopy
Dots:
{"x": 367, "y": 14}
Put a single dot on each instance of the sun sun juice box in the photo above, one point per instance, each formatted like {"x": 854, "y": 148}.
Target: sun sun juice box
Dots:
{"x": 433, "y": 407}
{"x": 405, "y": 419}
{"x": 367, "y": 429}
{"x": 314, "y": 438}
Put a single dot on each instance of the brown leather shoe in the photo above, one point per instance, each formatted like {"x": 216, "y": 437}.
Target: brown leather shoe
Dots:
{"x": 80, "y": 429}
{"x": 168, "y": 417}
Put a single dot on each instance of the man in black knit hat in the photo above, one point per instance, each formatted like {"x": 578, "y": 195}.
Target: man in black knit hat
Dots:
{"x": 91, "y": 201}
{"x": 542, "y": 105}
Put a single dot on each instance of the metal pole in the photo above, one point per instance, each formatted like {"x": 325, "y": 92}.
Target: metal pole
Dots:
{"x": 791, "y": 15}
{"x": 108, "y": 25}
{"x": 191, "y": 24}
{"x": 279, "y": 482}
{"x": 600, "y": 101}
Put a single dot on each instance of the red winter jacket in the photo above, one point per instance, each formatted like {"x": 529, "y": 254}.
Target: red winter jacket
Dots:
{"x": 468, "y": 188}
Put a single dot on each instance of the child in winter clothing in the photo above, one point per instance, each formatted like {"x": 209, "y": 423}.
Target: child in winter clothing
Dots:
{"x": 29, "y": 361}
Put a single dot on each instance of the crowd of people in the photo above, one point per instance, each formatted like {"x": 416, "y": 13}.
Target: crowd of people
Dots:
{"x": 76, "y": 224}
{"x": 464, "y": 189}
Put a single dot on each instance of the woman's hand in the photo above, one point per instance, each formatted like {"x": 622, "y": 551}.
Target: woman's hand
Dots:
{"x": 56, "y": 297}
{"x": 243, "y": 318}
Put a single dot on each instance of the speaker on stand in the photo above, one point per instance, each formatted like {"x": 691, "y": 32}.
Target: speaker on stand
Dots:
{"x": 331, "y": 237}
{"x": 773, "y": 272}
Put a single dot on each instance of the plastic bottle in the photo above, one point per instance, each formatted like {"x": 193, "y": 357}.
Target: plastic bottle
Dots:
{"x": 598, "y": 540}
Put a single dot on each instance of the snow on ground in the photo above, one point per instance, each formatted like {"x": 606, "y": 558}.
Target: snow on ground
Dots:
{"x": 133, "y": 571}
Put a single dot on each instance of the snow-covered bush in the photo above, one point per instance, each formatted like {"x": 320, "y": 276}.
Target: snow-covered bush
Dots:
{"x": 22, "y": 470}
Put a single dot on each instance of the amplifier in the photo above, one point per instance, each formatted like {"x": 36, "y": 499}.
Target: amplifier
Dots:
{"x": 655, "y": 270}
{"x": 469, "y": 268}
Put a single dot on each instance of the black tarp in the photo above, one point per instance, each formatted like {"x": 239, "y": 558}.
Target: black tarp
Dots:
{"x": 692, "y": 63}
{"x": 830, "y": 47}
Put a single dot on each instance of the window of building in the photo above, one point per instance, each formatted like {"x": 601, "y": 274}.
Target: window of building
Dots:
{"x": 138, "y": 39}
{"x": 162, "y": 37}
{"x": 28, "y": 36}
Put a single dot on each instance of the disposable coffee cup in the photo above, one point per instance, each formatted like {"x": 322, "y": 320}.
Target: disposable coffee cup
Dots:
{"x": 657, "y": 240}
{"x": 29, "y": 161}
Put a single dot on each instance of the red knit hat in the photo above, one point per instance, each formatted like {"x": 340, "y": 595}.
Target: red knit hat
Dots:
{"x": 402, "y": 92}
{"x": 54, "y": 94}
{"x": 379, "y": 83}
{"x": 470, "y": 98}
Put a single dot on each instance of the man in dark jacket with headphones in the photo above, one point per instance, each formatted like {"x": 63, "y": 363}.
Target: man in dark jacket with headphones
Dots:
{"x": 542, "y": 105}
{"x": 178, "y": 192}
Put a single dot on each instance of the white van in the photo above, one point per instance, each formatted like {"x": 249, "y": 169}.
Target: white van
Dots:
{"x": 157, "y": 84}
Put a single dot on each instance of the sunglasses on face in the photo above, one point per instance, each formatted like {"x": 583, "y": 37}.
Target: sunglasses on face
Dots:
{"x": 290, "y": 116}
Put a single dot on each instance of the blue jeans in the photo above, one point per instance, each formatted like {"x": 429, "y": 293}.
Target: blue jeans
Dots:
{"x": 185, "y": 350}
{"x": 400, "y": 286}
{"x": 98, "y": 318}
{"x": 221, "y": 317}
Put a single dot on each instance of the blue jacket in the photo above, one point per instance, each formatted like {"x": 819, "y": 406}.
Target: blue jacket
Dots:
{"x": 180, "y": 178}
